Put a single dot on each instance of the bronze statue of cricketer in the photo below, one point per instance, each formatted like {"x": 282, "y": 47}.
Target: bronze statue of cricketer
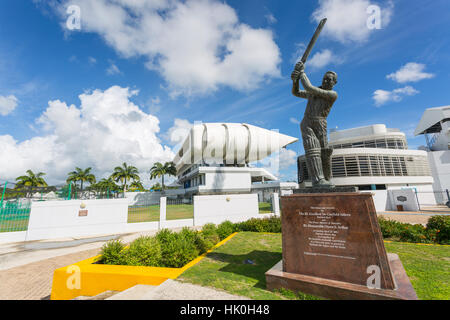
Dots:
{"x": 314, "y": 124}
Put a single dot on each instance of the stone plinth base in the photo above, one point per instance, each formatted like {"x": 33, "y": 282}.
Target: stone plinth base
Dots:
{"x": 338, "y": 290}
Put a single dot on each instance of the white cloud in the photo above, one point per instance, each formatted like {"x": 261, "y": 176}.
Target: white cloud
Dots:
{"x": 382, "y": 97}
{"x": 154, "y": 105}
{"x": 322, "y": 58}
{"x": 7, "y": 104}
{"x": 92, "y": 60}
{"x": 271, "y": 18}
{"x": 294, "y": 120}
{"x": 113, "y": 69}
{"x": 347, "y": 19}
{"x": 410, "y": 72}
{"x": 196, "y": 45}
{"x": 300, "y": 48}
{"x": 287, "y": 158}
{"x": 106, "y": 130}
{"x": 179, "y": 131}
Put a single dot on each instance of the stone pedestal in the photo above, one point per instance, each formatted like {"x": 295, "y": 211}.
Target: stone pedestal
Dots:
{"x": 333, "y": 248}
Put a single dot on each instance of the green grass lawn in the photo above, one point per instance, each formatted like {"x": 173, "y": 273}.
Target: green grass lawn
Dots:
{"x": 427, "y": 266}
{"x": 174, "y": 212}
{"x": 265, "y": 207}
{"x": 151, "y": 213}
{"x": 225, "y": 268}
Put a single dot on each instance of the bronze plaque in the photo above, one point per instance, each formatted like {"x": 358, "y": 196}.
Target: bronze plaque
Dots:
{"x": 334, "y": 236}
{"x": 82, "y": 213}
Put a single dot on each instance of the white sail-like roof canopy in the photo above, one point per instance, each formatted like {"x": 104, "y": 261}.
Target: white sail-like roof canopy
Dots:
{"x": 229, "y": 143}
{"x": 431, "y": 118}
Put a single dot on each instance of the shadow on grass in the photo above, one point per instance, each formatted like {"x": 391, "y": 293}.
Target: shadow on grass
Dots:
{"x": 252, "y": 265}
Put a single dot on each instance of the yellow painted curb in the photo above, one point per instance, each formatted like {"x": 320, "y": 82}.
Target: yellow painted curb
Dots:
{"x": 85, "y": 278}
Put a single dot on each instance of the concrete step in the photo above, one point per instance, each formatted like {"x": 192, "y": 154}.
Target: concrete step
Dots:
{"x": 173, "y": 290}
{"x": 133, "y": 293}
{"x": 176, "y": 290}
{"x": 102, "y": 296}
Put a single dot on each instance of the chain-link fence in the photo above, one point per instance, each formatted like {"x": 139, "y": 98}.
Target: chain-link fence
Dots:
{"x": 13, "y": 192}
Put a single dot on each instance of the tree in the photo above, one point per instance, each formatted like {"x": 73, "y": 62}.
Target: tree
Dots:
{"x": 107, "y": 184}
{"x": 156, "y": 187}
{"x": 159, "y": 170}
{"x": 125, "y": 173}
{"x": 82, "y": 176}
{"x": 31, "y": 180}
{"x": 137, "y": 185}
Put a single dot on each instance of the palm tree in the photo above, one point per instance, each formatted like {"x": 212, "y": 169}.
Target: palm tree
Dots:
{"x": 107, "y": 184}
{"x": 31, "y": 180}
{"x": 137, "y": 185}
{"x": 82, "y": 176}
{"x": 159, "y": 170}
{"x": 125, "y": 173}
{"x": 156, "y": 187}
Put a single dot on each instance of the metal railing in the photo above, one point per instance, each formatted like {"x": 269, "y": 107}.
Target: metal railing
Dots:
{"x": 433, "y": 198}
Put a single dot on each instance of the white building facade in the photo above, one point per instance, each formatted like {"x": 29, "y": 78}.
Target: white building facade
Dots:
{"x": 435, "y": 125}
{"x": 375, "y": 158}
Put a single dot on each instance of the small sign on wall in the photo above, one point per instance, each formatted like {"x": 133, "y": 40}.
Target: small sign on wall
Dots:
{"x": 82, "y": 213}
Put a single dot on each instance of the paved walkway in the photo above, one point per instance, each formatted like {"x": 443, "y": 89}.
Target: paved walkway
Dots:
{"x": 33, "y": 281}
{"x": 407, "y": 218}
{"x": 420, "y": 217}
{"x": 26, "y": 269}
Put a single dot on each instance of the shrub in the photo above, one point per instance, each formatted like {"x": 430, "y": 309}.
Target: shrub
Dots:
{"x": 165, "y": 236}
{"x": 201, "y": 243}
{"x": 111, "y": 252}
{"x": 225, "y": 229}
{"x": 271, "y": 224}
{"x": 144, "y": 251}
{"x": 176, "y": 249}
{"x": 441, "y": 227}
{"x": 391, "y": 229}
{"x": 415, "y": 233}
{"x": 209, "y": 232}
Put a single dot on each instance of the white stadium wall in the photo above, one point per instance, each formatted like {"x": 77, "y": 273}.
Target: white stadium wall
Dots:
{"x": 440, "y": 168}
{"x": 61, "y": 219}
{"x": 219, "y": 208}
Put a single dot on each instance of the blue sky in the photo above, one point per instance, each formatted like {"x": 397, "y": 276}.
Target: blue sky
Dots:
{"x": 142, "y": 64}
